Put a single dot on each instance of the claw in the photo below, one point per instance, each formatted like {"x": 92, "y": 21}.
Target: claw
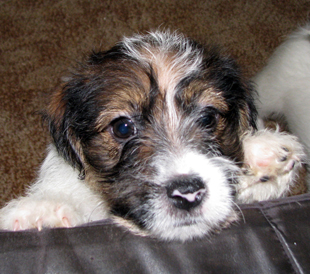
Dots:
{"x": 264, "y": 179}
{"x": 283, "y": 159}
{"x": 66, "y": 222}
{"x": 290, "y": 166}
{"x": 39, "y": 224}
{"x": 16, "y": 226}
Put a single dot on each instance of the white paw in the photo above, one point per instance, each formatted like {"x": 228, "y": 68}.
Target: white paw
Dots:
{"x": 33, "y": 212}
{"x": 272, "y": 162}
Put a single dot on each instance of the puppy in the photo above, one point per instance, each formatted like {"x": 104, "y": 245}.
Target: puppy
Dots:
{"x": 284, "y": 84}
{"x": 159, "y": 134}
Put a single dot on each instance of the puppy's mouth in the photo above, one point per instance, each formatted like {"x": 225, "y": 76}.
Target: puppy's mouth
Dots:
{"x": 187, "y": 198}
{"x": 187, "y": 222}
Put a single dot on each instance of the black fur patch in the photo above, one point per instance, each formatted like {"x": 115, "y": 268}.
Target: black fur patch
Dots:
{"x": 114, "y": 83}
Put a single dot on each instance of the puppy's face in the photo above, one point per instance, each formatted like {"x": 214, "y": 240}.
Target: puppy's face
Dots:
{"x": 156, "y": 123}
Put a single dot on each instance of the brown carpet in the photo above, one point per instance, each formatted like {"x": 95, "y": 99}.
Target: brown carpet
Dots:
{"x": 40, "y": 39}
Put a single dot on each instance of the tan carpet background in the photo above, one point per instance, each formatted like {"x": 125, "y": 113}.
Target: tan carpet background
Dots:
{"x": 40, "y": 39}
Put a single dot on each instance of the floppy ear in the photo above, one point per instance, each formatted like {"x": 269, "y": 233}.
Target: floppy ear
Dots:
{"x": 73, "y": 110}
{"x": 239, "y": 94}
{"x": 248, "y": 109}
{"x": 61, "y": 124}
{"x": 72, "y": 114}
{"x": 225, "y": 75}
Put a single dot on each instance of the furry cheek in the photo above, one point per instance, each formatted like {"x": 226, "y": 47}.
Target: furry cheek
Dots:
{"x": 215, "y": 173}
{"x": 102, "y": 152}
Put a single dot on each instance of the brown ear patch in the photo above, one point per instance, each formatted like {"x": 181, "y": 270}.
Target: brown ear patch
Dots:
{"x": 57, "y": 107}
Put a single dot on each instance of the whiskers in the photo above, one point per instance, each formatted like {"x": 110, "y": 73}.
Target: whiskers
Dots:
{"x": 239, "y": 210}
{"x": 99, "y": 207}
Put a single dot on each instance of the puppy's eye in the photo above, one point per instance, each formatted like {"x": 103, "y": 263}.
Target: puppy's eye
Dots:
{"x": 208, "y": 118}
{"x": 123, "y": 128}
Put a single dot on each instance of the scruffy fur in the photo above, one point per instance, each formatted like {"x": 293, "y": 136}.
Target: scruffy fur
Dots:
{"x": 159, "y": 134}
{"x": 284, "y": 84}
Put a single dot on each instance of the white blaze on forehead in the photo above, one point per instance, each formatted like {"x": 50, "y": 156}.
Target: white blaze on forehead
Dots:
{"x": 170, "y": 70}
{"x": 172, "y": 57}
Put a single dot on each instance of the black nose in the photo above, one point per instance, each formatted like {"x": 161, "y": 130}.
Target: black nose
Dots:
{"x": 186, "y": 192}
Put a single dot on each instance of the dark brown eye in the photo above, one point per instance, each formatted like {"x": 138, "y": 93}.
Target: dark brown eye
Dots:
{"x": 123, "y": 128}
{"x": 208, "y": 118}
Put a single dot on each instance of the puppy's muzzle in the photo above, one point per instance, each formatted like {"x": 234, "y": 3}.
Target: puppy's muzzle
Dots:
{"x": 186, "y": 192}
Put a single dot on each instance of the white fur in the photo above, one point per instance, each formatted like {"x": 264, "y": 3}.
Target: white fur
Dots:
{"x": 284, "y": 84}
{"x": 216, "y": 207}
{"x": 58, "y": 198}
{"x": 170, "y": 67}
{"x": 272, "y": 154}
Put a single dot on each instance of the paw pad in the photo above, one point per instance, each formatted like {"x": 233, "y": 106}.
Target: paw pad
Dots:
{"x": 272, "y": 162}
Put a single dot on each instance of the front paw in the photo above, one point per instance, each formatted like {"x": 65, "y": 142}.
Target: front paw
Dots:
{"x": 273, "y": 162}
{"x": 32, "y": 212}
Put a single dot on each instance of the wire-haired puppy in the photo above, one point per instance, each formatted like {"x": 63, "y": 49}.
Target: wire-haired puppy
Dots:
{"x": 159, "y": 134}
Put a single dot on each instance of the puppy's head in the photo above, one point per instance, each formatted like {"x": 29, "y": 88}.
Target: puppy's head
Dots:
{"x": 156, "y": 122}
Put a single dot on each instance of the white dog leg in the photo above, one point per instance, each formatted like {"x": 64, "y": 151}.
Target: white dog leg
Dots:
{"x": 58, "y": 199}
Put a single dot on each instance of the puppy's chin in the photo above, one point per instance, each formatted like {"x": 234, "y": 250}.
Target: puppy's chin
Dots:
{"x": 206, "y": 221}
{"x": 187, "y": 216}
{"x": 194, "y": 228}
